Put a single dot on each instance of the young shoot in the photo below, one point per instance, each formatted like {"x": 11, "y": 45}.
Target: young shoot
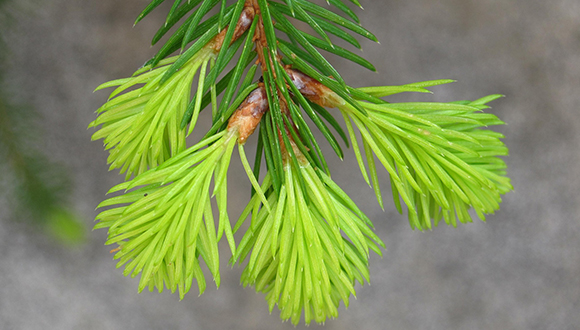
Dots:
{"x": 307, "y": 252}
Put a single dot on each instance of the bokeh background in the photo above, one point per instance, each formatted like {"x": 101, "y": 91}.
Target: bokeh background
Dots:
{"x": 520, "y": 270}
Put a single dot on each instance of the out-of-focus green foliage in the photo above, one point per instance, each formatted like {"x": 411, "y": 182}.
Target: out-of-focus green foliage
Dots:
{"x": 36, "y": 188}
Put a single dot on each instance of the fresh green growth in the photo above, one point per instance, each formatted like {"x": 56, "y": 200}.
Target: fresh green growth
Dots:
{"x": 163, "y": 227}
{"x": 440, "y": 159}
{"x": 141, "y": 126}
{"x": 308, "y": 251}
{"x": 307, "y": 243}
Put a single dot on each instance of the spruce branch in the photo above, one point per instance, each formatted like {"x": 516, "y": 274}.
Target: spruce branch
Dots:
{"x": 307, "y": 243}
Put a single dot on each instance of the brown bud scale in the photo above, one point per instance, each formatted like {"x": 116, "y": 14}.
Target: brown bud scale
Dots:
{"x": 314, "y": 90}
{"x": 249, "y": 113}
{"x": 244, "y": 23}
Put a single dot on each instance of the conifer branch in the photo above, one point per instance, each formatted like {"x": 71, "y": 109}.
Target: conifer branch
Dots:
{"x": 308, "y": 243}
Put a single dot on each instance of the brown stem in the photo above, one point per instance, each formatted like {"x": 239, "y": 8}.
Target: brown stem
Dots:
{"x": 249, "y": 114}
{"x": 285, "y": 153}
{"x": 260, "y": 35}
{"x": 262, "y": 43}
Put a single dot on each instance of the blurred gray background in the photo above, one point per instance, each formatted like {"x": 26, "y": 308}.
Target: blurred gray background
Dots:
{"x": 520, "y": 270}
